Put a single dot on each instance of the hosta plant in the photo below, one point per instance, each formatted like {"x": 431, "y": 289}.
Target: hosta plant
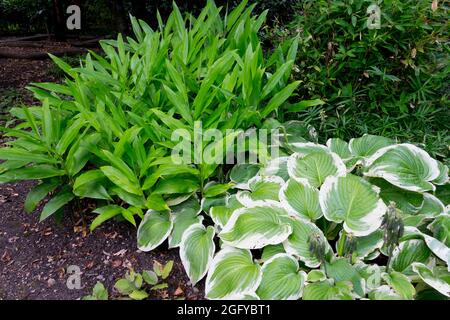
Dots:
{"x": 356, "y": 220}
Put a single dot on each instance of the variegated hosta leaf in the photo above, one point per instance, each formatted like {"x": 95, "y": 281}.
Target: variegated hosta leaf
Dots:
{"x": 384, "y": 293}
{"x": 221, "y": 214}
{"x": 401, "y": 284}
{"x": 443, "y": 174}
{"x": 197, "y": 251}
{"x": 340, "y": 269}
{"x": 154, "y": 229}
{"x": 183, "y": 216}
{"x": 431, "y": 206}
{"x": 232, "y": 273}
{"x": 298, "y": 243}
{"x": 316, "y": 275}
{"x": 367, "y": 145}
{"x": 340, "y": 147}
{"x": 271, "y": 250}
{"x": 301, "y": 200}
{"x": 352, "y": 200}
{"x": 407, "y": 252}
{"x": 314, "y": 167}
{"x": 281, "y": 279}
{"x": 404, "y": 165}
{"x": 441, "y": 229}
{"x": 438, "y": 248}
{"x": 264, "y": 223}
{"x": 276, "y": 167}
{"x": 242, "y": 173}
{"x": 407, "y": 201}
{"x": 305, "y": 148}
{"x": 438, "y": 278}
{"x": 326, "y": 290}
{"x": 262, "y": 188}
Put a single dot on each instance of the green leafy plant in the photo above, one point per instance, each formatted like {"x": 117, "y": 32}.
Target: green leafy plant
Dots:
{"x": 136, "y": 285}
{"x": 106, "y": 132}
{"x": 99, "y": 292}
{"x": 368, "y": 198}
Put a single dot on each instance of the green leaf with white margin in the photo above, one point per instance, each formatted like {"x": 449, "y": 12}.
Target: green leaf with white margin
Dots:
{"x": 414, "y": 250}
{"x": 401, "y": 284}
{"x": 438, "y": 278}
{"x": 352, "y": 200}
{"x": 262, "y": 188}
{"x": 316, "y": 275}
{"x": 298, "y": 242}
{"x": 271, "y": 250}
{"x": 441, "y": 228}
{"x": 254, "y": 227}
{"x": 240, "y": 174}
{"x": 367, "y": 244}
{"x": 407, "y": 201}
{"x": 340, "y": 147}
{"x": 281, "y": 279}
{"x": 154, "y": 229}
{"x": 183, "y": 216}
{"x": 431, "y": 206}
{"x": 197, "y": 251}
{"x": 405, "y": 166}
{"x": 301, "y": 200}
{"x": 367, "y": 145}
{"x": 438, "y": 248}
{"x": 276, "y": 167}
{"x": 221, "y": 214}
{"x": 314, "y": 167}
{"x": 232, "y": 273}
{"x": 305, "y": 148}
{"x": 326, "y": 290}
{"x": 384, "y": 292}
{"x": 443, "y": 177}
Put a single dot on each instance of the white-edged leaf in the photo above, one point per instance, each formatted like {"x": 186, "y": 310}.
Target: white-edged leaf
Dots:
{"x": 414, "y": 250}
{"x": 367, "y": 145}
{"x": 438, "y": 278}
{"x": 281, "y": 279}
{"x": 301, "y": 199}
{"x": 276, "y": 167}
{"x": 183, "y": 216}
{"x": 264, "y": 223}
{"x": 232, "y": 273}
{"x": 242, "y": 173}
{"x": 261, "y": 188}
{"x": 222, "y": 213}
{"x": 314, "y": 167}
{"x": 405, "y": 166}
{"x": 298, "y": 243}
{"x": 154, "y": 229}
{"x": 352, "y": 200}
{"x": 197, "y": 251}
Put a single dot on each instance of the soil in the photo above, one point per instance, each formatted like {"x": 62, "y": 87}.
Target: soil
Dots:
{"x": 35, "y": 256}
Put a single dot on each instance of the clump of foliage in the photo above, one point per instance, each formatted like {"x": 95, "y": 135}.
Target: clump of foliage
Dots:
{"x": 319, "y": 220}
{"x": 135, "y": 285}
{"x": 391, "y": 81}
{"x": 106, "y": 132}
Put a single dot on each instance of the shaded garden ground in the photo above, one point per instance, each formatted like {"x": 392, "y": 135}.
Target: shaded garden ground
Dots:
{"x": 34, "y": 256}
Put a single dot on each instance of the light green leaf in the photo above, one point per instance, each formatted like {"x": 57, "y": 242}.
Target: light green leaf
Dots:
{"x": 281, "y": 279}
{"x": 154, "y": 229}
{"x": 367, "y": 145}
{"x": 407, "y": 252}
{"x": 221, "y": 213}
{"x": 254, "y": 227}
{"x": 314, "y": 167}
{"x": 401, "y": 284}
{"x": 232, "y": 273}
{"x": 197, "y": 251}
{"x": 242, "y": 173}
{"x": 438, "y": 278}
{"x": 405, "y": 166}
{"x": 262, "y": 188}
{"x": 184, "y": 215}
{"x": 301, "y": 199}
{"x": 352, "y": 200}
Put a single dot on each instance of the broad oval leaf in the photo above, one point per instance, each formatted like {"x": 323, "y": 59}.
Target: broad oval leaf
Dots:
{"x": 242, "y": 173}
{"x": 197, "y": 251}
{"x": 367, "y": 145}
{"x": 264, "y": 223}
{"x": 184, "y": 215}
{"x": 222, "y": 213}
{"x": 301, "y": 199}
{"x": 405, "y": 166}
{"x": 154, "y": 229}
{"x": 281, "y": 279}
{"x": 438, "y": 278}
{"x": 232, "y": 273}
{"x": 262, "y": 188}
{"x": 407, "y": 252}
{"x": 298, "y": 243}
{"x": 314, "y": 167}
{"x": 352, "y": 200}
